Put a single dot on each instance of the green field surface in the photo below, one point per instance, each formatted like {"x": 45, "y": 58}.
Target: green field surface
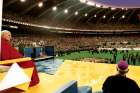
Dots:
{"x": 101, "y": 55}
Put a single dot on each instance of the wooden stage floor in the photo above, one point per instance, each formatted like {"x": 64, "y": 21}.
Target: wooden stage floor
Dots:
{"x": 86, "y": 73}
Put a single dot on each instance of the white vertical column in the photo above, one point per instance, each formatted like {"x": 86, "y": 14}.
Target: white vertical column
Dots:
{"x": 1, "y": 5}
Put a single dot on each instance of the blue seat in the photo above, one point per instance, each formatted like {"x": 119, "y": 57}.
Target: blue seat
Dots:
{"x": 85, "y": 89}
{"x": 98, "y": 92}
{"x": 71, "y": 87}
{"x": 28, "y": 52}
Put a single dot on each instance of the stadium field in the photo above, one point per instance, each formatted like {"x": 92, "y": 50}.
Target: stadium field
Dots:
{"x": 101, "y": 55}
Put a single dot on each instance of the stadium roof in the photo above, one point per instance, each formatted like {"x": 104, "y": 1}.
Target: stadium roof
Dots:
{"x": 75, "y": 11}
{"x": 117, "y": 3}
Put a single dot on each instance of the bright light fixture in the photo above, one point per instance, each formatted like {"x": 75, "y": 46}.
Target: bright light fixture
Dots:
{"x": 54, "y": 8}
{"x": 40, "y": 4}
{"x": 97, "y": 5}
{"x": 76, "y": 13}
{"x": 66, "y": 11}
{"x": 83, "y": 1}
{"x": 22, "y": 0}
{"x": 113, "y": 17}
{"x": 113, "y": 8}
{"x": 123, "y": 16}
{"x": 104, "y": 16}
{"x": 91, "y": 3}
{"x": 86, "y": 14}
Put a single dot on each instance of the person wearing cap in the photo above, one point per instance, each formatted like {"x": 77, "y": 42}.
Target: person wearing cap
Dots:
{"x": 8, "y": 52}
{"x": 119, "y": 83}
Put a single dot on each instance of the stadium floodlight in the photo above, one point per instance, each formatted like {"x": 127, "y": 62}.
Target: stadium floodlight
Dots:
{"x": 66, "y": 11}
{"x": 97, "y": 5}
{"x": 104, "y": 16}
{"x": 3, "y": 19}
{"x": 113, "y": 17}
{"x": 123, "y": 16}
{"x": 105, "y": 6}
{"x": 83, "y": 1}
{"x": 15, "y": 27}
{"x": 113, "y": 8}
{"x": 86, "y": 14}
{"x": 126, "y": 8}
{"x": 54, "y": 8}
{"x": 91, "y": 3}
{"x": 122, "y": 8}
{"x": 40, "y": 4}
{"x": 76, "y": 13}
{"x": 22, "y": 0}
{"x": 95, "y": 15}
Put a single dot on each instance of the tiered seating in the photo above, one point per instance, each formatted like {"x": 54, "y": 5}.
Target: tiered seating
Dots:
{"x": 70, "y": 43}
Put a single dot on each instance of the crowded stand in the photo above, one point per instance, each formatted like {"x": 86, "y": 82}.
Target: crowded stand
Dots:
{"x": 66, "y": 43}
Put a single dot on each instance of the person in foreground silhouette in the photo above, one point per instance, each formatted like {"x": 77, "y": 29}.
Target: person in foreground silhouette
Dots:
{"x": 119, "y": 83}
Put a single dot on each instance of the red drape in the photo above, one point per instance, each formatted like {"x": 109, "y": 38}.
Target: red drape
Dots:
{"x": 9, "y": 52}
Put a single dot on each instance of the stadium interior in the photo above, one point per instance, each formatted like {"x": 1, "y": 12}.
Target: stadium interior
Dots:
{"x": 74, "y": 42}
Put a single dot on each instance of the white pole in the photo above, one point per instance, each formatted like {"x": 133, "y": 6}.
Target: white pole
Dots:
{"x": 1, "y": 5}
